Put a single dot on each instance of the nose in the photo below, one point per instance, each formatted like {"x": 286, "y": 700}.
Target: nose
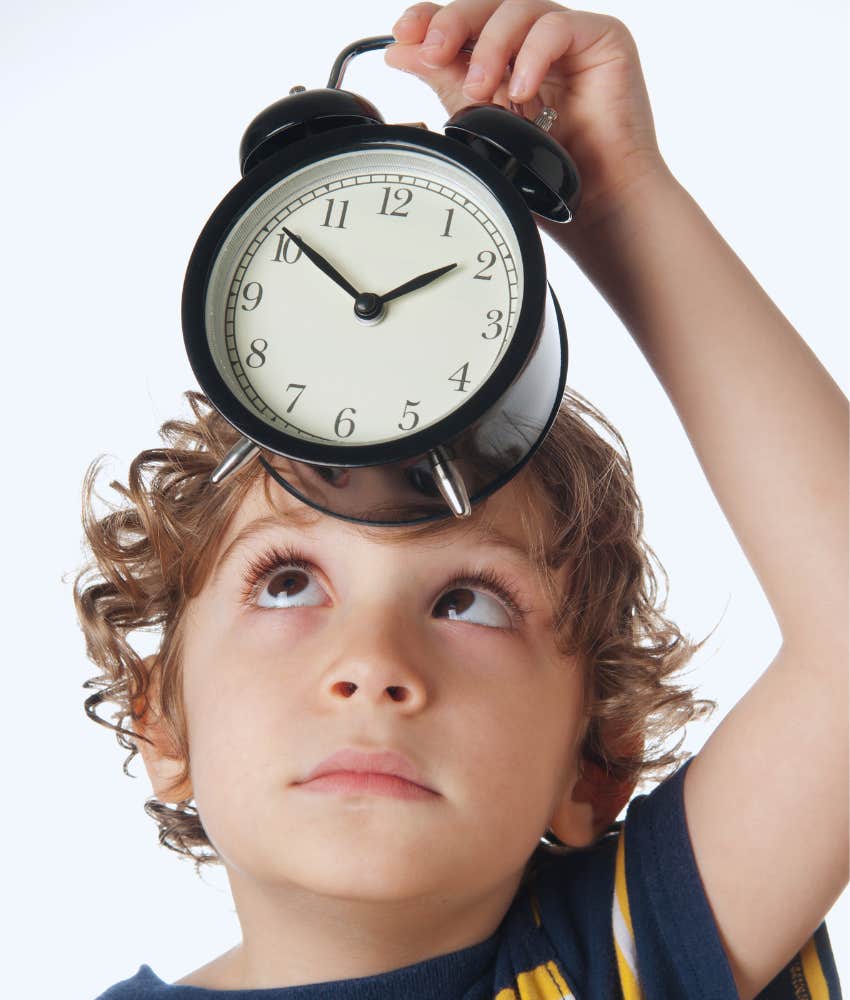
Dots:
{"x": 377, "y": 656}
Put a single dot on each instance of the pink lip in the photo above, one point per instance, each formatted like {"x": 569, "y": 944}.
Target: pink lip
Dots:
{"x": 358, "y": 783}
{"x": 361, "y": 771}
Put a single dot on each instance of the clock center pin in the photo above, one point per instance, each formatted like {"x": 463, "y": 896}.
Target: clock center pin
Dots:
{"x": 369, "y": 308}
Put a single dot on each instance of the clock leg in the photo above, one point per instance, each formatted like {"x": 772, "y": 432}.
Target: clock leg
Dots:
{"x": 238, "y": 456}
{"x": 450, "y": 483}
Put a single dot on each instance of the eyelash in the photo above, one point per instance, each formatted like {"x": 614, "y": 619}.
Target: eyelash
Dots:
{"x": 258, "y": 569}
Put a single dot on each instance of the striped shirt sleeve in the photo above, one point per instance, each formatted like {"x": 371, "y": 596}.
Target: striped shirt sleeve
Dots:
{"x": 666, "y": 942}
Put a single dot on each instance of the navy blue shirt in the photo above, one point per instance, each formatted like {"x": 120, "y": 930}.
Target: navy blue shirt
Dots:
{"x": 625, "y": 919}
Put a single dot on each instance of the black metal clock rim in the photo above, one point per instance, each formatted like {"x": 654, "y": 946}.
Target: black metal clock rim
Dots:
{"x": 268, "y": 173}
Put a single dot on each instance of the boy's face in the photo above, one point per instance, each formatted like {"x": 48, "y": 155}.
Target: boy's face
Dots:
{"x": 491, "y": 715}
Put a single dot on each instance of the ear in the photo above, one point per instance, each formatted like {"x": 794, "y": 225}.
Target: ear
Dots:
{"x": 592, "y": 801}
{"x": 162, "y": 760}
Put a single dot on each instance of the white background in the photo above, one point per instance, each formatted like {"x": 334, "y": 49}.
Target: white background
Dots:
{"x": 121, "y": 124}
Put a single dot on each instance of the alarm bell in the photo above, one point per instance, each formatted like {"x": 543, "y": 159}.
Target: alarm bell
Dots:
{"x": 539, "y": 167}
{"x": 303, "y": 113}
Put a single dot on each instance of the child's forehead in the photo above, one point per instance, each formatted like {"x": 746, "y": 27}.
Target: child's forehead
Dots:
{"x": 495, "y": 520}
{"x": 502, "y": 520}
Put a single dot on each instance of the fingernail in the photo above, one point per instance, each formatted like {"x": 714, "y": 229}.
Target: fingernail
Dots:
{"x": 433, "y": 39}
{"x": 429, "y": 53}
{"x": 517, "y": 86}
{"x": 404, "y": 21}
{"x": 474, "y": 76}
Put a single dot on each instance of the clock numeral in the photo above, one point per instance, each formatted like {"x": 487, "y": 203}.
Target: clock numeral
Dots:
{"x": 400, "y": 194}
{"x": 284, "y": 244}
{"x": 330, "y": 212}
{"x": 258, "y": 295}
{"x": 410, "y": 413}
{"x": 294, "y": 385}
{"x": 494, "y": 315}
{"x": 461, "y": 377}
{"x": 482, "y": 257}
{"x": 344, "y": 420}
{"x": 446, "y": 231}
{"x": 257, "y": 352}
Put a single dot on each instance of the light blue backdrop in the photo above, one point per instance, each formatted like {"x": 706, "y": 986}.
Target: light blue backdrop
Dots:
{"x": 120, "y": 127}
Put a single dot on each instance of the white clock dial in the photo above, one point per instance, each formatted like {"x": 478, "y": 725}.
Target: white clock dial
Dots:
{"x": 285, "y": 336}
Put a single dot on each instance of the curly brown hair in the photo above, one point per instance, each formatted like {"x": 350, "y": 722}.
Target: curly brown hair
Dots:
{"x": 578, "y": 503}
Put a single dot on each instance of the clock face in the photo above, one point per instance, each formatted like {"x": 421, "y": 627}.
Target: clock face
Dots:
{"x": 285, "y": 335}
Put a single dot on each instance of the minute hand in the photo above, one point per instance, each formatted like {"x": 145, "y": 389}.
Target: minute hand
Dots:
{"x": 414, "y": 283}
{"x": 322, "y": 264}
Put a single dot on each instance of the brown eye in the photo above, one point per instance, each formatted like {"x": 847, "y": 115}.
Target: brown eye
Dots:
{"x": 279, "y": 579}
{"x": 460, "y": 600}
{"x": 289, "y": 588}
{"x": 289, "y": 583}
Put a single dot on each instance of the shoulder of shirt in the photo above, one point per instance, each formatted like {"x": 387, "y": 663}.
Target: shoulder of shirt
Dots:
{"x": 143, "y": 985}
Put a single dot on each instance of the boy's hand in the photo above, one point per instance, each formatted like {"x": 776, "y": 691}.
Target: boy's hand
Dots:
{"x": 535, "y": 53}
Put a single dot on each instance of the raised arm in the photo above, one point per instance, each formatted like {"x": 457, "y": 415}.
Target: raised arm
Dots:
{"x": 767, "y": 797}
{"x": 766, "y": 421}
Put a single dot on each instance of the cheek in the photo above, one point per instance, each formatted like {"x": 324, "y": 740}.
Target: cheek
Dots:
{"x": 227, "y": 654}
{"x": 229, "y": 725}
{"x": 243, "y": 757}
{"x": 235, "y": 716}
{"x": 530, "y": 726}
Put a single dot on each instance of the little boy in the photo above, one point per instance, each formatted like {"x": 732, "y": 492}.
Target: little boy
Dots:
{"x": 484, "y": 683}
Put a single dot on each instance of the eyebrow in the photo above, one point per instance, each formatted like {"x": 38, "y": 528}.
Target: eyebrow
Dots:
{"x": 489, "y": 535}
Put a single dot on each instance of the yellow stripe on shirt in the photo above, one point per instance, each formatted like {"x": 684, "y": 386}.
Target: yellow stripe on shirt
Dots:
{"x": 624, "y": 937}
{"x": 542, "y": 983}
{"x": 813, "y": 971}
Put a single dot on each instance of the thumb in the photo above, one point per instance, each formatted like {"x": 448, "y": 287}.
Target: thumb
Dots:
{"x": 406, "y": 55}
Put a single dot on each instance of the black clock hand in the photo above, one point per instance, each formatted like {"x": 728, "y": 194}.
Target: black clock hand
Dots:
{"x": 414, "y": 283}
{"x": 322, "y": 264}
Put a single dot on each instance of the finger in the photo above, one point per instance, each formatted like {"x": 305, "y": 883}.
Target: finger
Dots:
{"x": 557, "y": 33}
{"x": 452, "y": 26}
{"x": 410, "y": 28}
{"x": 409, "y": 31}
{"x": 499, "y": 41}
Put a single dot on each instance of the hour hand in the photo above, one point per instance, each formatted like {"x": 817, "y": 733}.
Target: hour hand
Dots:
{"x": 418, "y": 282}
{"x": 322, "y": 264}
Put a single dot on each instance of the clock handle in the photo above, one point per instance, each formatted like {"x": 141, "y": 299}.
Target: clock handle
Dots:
{"x": 544, "y": 120}
{"x": 368, "y": 45}
{"x": 355, "y": 49}
{"x": 239, "y": 455}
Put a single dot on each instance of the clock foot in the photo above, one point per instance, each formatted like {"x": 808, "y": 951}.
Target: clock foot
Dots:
{"x": 238, "y": 456}
{"x": 450, "y": 483}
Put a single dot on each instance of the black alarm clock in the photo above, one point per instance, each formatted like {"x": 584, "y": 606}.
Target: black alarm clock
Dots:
{"x": 370, "y": 302}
